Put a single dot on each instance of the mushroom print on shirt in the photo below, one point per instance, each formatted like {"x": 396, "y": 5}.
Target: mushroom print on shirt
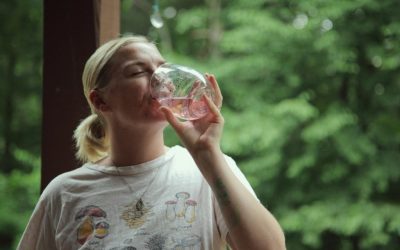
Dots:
{"x": 181, "y": 207}
{"x": 181, "y": 213}
{"x": 93, "y": 223}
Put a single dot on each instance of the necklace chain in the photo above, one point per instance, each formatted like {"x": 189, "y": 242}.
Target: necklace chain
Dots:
{"x": 140, "y": 204}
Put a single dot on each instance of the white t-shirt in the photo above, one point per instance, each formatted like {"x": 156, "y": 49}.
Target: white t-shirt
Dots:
{"x": 96, "y": 207}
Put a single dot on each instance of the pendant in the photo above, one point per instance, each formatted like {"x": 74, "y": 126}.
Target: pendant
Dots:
{"x": 139, "y": 205}
{"x": 135, "y": 214}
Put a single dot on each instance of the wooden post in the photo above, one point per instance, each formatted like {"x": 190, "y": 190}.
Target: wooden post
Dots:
{"x": 73, "y": 29}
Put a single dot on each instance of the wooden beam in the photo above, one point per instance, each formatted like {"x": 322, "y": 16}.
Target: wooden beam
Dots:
{"x": 73, "y": 29}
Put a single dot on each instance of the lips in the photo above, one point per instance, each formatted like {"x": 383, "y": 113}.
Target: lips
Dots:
{"x": 154, "y": 103}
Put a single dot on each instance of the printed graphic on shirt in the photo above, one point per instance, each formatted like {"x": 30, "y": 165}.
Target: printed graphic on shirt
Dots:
{"x": 181, "y": 207}
{"x": 157, "y": 241}
{"x": 136, "y": 214}
{"x": 128, "y": 245}
{"x": 173, "y": 242}
{"x": 189, "y": 241}
{"x": 123, "y": 248}
{"x": 92, "y": 223}
{"x": 180, "y": 212}
{"x": 177, "y": 241}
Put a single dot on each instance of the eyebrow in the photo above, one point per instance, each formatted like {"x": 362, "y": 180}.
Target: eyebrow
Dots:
{"x": 133, "y": 63}
{"x": 140, "y": 63}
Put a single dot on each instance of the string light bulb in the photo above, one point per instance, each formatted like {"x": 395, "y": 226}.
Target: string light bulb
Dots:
{"x": 155, "y": 17}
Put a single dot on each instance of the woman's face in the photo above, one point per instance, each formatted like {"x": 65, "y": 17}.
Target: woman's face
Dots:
{"x": 128, "y": 93}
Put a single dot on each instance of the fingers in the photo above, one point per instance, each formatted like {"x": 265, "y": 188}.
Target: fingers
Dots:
{"x": 215, "y": 86}
{"x": 175, "y": 123}
{"x": 213, "y": 109}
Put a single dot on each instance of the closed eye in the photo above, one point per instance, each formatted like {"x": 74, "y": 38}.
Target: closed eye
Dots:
{"x": 139, "y": 73}
{"x": 137, "y": 70}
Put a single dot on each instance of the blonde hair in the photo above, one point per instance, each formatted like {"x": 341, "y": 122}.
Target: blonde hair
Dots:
{"x": 91, "y": 137}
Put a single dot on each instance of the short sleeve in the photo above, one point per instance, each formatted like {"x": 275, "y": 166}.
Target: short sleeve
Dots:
{"x": 39, "y": 233}
{"x": 223, "y": 228}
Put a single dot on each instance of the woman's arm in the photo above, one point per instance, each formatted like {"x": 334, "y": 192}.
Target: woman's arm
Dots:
{"x": 250, "y": 225}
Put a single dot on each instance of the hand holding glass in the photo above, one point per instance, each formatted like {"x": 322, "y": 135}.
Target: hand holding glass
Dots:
{"x": 181, "y": 89}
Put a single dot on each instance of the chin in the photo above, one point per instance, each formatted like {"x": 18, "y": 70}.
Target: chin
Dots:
{"x": 156, "y": 116}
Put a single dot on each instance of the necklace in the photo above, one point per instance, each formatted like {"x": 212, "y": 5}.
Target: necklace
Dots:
{"x": 136, "y": 213}
{"x": 140, "y": 204}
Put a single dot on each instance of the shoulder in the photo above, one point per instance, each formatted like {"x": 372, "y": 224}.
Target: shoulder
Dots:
{"x": 179, "y": 151}
{"x": 183, "y": 158}
{"x": 64, "y": 181}
{"x": 180, "y": 156}
{"x": 182, "y": 164}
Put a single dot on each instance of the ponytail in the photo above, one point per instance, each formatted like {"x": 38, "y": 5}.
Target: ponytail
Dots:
{"x": 91, "y": 140}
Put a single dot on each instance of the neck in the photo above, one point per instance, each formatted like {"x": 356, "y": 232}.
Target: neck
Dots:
{"x": 129, "y": 147}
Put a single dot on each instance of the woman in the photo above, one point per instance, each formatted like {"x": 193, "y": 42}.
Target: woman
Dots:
{"x": 136, "y": 193}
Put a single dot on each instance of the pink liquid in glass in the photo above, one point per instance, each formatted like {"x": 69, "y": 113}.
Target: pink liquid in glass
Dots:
{"x": 185, "y": 108}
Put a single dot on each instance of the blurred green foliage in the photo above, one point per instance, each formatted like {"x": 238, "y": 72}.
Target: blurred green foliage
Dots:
{"x": 20, "y": 115}
{"x": 312, "y": 108}
{"x": 19, "y": 194}
{"x": 311, "y": 103}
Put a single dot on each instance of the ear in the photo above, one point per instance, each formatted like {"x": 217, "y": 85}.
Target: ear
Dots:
{"x": 98, "y": 101}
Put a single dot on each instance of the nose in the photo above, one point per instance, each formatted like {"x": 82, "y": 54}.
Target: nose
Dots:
{"x": 153, "y": 68}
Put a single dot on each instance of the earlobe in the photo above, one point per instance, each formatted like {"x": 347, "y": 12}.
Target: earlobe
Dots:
{"x": 97, "y": 100}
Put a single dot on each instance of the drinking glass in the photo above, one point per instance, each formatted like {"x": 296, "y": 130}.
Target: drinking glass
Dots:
{"x": 181, "y": 89}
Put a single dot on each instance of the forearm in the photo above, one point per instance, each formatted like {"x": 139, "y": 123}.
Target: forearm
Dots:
{"x": 250, "y": 225}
